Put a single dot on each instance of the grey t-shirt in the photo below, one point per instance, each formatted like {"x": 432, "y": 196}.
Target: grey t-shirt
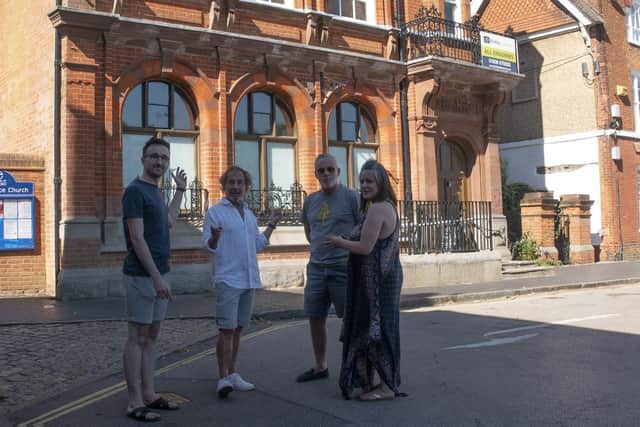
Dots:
{"x": 335, "y": 213}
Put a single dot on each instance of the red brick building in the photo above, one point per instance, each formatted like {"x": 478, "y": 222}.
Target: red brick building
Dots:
{"x": 573, "y": 125}
{"x": 267, "y": 85}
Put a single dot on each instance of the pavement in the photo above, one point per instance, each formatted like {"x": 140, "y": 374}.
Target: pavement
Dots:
{"x": 64, "y": 345}
{"x": 273, "y": 304}
{"x": 567, "y": 358}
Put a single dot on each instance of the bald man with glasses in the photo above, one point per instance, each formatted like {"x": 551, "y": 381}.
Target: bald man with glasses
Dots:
{"x": 332, "y": 210}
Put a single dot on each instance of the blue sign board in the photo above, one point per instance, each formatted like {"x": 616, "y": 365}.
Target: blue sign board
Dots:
{"x": 17, "y": 214}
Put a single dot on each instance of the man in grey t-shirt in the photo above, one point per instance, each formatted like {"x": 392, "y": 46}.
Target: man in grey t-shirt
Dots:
{"x": 332, "y": 210}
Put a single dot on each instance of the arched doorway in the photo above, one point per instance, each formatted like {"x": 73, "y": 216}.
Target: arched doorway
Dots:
{"x": 453, "y": 185}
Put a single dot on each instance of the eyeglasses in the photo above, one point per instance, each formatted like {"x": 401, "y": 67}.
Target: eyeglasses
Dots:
{"x": 156, "y": 156}
{"x": 329, "y": 169}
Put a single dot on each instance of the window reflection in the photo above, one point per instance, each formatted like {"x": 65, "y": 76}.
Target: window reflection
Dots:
{"x": 351, "y": 140}
{"x": 147, "y": 109}
{"x": 263, "y": 144}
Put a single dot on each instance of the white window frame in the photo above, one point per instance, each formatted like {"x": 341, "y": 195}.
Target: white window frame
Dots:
{"x": 457, "y": 12}
{"x": 288, "y": 4}
{"x": 635, "y": 84}
{"x": 633, "y": 23}
{"x": 370, "y": 8}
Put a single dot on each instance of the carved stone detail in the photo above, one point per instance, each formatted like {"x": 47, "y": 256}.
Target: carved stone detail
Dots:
{"x": 426, "y": 125}
{"x": 392, "y": 44}
{"x": 168, "y": 49}
{"x": 117, "y": 6}
{"x": 317, "y": 30}
{"x": 312, "y": 28}
{"x": 215, "y": 11}
{"x": 460, "y": 104}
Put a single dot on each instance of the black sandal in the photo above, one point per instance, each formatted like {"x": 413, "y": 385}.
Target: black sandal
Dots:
{"x": 163, "y": 404}
{"x": 140, "y": 414}
{"x": 312, "y": 374}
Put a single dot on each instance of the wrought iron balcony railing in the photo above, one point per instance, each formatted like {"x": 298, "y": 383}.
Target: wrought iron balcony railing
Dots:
{"x": 290, "y": 201}
{"x": 431, "y": 35}
{"x": 195, "y": 200}
{"x": 439, "y": 226}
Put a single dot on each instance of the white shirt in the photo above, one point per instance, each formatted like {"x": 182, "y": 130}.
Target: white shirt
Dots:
{"x": 234, "y": 260}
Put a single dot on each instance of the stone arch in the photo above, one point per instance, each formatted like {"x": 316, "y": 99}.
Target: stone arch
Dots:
{"x": 196, "y": 86}
{"x": 385, "y": 119}
{"x": 289, "y": 90}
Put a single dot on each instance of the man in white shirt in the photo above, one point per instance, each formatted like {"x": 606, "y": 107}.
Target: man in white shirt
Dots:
{"x": 231, "y": 235}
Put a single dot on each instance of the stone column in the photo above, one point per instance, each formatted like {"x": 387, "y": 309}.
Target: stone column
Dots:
{"x": 578, "y": 208}
{"x": 538, "y": 220}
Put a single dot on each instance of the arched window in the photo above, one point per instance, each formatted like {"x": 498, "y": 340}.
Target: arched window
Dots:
{"x": 154, "y": 107}
{"x": 352, "y": 140}
{"x": 265, "y": 141}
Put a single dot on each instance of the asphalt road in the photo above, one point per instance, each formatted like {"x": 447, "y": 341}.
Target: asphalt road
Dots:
{"x": 561, "y": 359}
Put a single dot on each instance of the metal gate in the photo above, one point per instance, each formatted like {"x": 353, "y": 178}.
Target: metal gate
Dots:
{"x": 562, "y": 237}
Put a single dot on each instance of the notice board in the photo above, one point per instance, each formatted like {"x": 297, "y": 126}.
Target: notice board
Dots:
{"x": 17, "y": 214}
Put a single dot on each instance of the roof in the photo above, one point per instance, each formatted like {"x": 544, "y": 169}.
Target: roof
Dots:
{"x": 581, "y": 10}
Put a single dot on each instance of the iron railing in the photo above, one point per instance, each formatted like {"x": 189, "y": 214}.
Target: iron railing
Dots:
{"x": 289, "y": 201}
{"x": 440, "y": 226}
{"x": 562, "y": 237}
{"x": 431, "y": 35}
{"x": 195, "y": 200}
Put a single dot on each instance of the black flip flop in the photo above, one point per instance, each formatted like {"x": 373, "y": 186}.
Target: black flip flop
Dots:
{"x": 162, "y": 404}
{"x": 312, "y": 374}
{"x": 140, "y": 414}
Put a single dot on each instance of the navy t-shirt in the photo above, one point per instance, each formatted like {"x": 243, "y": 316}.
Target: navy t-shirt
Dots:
{"x": 144, "y": 200}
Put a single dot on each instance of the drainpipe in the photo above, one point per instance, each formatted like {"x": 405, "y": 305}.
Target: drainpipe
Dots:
{"x": 404, "y": 111}
{"x": 56, "y": 151}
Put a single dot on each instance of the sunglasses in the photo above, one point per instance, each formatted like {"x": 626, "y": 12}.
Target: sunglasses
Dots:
{"x": 329, "y": 169}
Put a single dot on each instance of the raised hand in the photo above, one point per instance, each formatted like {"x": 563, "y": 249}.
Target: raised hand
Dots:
{"x": 180, "y": 178}
{"x": 215, "y": 236}
{"x": 275, "y": 215}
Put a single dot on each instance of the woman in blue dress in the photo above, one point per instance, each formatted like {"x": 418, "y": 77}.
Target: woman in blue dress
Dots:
{"x": 370, "y": 333}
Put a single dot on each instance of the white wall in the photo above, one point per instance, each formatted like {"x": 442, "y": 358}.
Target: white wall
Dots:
{"x": 575, "y": 158}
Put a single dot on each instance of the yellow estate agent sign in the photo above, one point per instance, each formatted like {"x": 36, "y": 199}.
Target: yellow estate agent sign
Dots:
{"x": 499, "y": 52}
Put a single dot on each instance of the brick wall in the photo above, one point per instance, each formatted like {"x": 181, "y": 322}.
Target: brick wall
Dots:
{"x": 23, "y": 272}
{"x": 101, "y": 69}
{"x": 26, "y": 109}
{"x": 617, "y": 58}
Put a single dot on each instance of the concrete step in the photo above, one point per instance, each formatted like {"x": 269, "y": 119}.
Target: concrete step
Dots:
{"x": 527, "y": 269}
{"x": 517, "y": 263}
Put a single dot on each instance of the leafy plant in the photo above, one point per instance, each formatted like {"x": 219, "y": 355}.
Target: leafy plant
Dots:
{"x": 512, "y": 194}
{"x": 526, "y": 249}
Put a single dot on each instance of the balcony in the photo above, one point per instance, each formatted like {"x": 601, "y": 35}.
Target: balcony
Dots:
{"x": 431, "y": 35}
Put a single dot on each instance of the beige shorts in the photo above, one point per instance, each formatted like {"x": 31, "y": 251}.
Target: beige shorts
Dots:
{"x": 233, "y": 306}
{"x": 143, "y": 306}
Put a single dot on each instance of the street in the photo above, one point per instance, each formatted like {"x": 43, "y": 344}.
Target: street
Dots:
{"x": 558, "y": 359}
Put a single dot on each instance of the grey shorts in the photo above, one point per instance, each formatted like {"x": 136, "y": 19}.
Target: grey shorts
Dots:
{"x": 233, "y": 306}
{"x": 143, "y": 306}
{"x": 325, "y": 285}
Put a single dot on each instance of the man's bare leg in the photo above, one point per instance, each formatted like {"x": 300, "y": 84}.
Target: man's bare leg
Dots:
{"x": 318, "y": 328}
{"x": 133, "y": 365}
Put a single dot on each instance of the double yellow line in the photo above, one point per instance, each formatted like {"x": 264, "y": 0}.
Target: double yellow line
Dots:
{"x": 54, "y": 414}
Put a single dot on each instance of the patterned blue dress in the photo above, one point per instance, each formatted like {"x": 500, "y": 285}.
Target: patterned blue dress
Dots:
{"x": 371, "y": 326}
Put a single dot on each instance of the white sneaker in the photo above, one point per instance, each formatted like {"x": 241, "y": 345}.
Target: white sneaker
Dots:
{"x": 239, "y": 384}
{"x": 224, "y": 387}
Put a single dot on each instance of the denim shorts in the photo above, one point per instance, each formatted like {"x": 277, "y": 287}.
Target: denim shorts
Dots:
{"x": 143, "y": 306}
{"x": 325, "y": 285}
{"x": 233, "y": 306}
